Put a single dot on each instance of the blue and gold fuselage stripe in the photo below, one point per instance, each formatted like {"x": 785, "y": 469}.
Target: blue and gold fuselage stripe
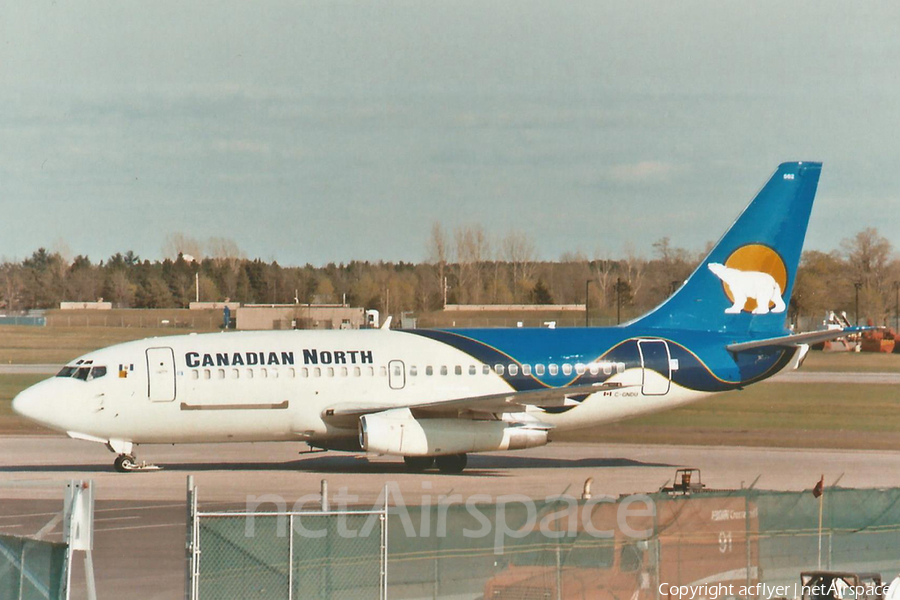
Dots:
{"x": 718, "y": 371}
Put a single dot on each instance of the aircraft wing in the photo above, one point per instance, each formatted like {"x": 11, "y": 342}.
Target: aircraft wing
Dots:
{"x": 787, "y": 341}
{"x": 507, "y": 402}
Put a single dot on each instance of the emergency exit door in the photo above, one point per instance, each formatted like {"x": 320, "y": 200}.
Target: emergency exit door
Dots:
{"x": 160, "y": 374}
{"x": 396, "y": 374}
{"x": 656, "y": 367}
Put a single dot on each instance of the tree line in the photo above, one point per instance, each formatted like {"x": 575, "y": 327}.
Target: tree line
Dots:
{"x": 463, "y": 267}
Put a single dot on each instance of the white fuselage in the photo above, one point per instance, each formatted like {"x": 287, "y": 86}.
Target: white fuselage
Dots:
{"x": 275, "y": 386}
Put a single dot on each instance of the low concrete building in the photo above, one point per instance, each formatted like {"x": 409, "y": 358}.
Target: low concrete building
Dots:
{"x": 98, "y": 305}
{"x": 514, "y": 308}
{"x": 299, "y": 316}
{"x": 232, "y": 306}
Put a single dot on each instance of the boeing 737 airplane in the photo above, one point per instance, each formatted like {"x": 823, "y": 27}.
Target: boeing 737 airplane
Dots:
{"x": 432, "y": 396}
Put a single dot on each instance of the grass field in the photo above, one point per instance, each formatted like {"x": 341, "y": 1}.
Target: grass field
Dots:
{"x": 10, "y": 385}
{"x": 57, "y": 345}
{"x": 768, "y": 414}
{"x": 861, "y": 362}
{"x": 813, "y": 415}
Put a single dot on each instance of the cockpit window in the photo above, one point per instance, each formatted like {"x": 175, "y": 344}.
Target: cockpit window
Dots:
{"x": 67, "y": 371}
{"x": 84, "y": 372}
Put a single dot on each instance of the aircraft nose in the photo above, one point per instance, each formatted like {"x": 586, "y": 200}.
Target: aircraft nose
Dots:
{"x": 33, "y": 404}
{"x": 24, "y": 402}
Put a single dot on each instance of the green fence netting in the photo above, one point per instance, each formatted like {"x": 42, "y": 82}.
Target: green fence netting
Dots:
{"x": 741, "y": 537}
{"x": 31, "y": 569}
{"x": 540, "y": 550}
{"x": 313, "y": 556}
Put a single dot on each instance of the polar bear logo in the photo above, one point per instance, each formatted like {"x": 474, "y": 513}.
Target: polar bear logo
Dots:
{"x": 747, "y": 285}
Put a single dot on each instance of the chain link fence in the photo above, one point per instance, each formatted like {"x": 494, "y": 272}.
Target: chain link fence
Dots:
{"x": 57, "y": 519}
{"x": 32, "y": 569}
{"x": 340, "y": 555}
{"x": 548, "y": 550}
{"x": 180, "y": 319}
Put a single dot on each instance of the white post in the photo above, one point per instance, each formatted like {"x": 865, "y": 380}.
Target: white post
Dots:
{"x": 821, "y": 504}
{"x": 68, "y": 572}
{"x": 189, "y": 542}
{"x": 89, "y": 575}
{"x": 22, "y": 572}
{"x": 384, "y": 546}
{"x": 558, "y": 570}
{"x": 197, "y": 284}
{"x": 192, "y": 576}
{"x": 291, "y": 559}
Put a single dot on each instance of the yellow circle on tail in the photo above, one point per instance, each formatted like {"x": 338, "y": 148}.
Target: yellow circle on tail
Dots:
{"x": 756, "y": 257}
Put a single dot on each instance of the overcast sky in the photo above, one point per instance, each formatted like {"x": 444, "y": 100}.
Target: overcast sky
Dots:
{"x": 338, "y": 130}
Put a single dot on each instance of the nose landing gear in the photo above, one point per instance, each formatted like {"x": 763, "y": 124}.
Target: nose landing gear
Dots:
{"x": 127, "y": 462}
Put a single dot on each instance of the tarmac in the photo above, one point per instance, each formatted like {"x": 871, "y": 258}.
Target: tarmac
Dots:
{"x": 140, "y": 522}
{"x": 229, "y": 472}
{"x": 801, "y": 376}
{"x": 35, "y": 369}
{"x": 141, "y": 517}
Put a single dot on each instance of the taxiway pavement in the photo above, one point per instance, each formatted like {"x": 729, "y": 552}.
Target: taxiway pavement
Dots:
{"x": 141, "y": 517}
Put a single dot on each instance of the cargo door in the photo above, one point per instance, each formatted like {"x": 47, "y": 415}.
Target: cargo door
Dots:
{"x": 161, "y": 374}
{"x": 656, "y": 367}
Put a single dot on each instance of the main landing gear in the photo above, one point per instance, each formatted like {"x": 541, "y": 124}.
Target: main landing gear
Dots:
{"x": 451, "y": 463}
{"x": 418, "y": 463}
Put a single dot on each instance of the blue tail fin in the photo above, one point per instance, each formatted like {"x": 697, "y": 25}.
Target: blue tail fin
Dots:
{"x": 745, "y": 284}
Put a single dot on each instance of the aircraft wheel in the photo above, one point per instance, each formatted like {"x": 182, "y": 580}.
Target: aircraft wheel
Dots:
{"x": 453, "y": 463}
{"x": 418, "y": 463}
{"x": 125, "y": 463}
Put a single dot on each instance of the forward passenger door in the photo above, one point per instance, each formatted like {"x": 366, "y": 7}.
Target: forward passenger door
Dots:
{"x": 160, "y": 374}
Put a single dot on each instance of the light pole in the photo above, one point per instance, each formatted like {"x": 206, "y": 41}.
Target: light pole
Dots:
{"x": 618, "y": 300}
{"x": 587, "y": 299}
{"x": 897, "y": 307}
{"x": 857, "y": 285}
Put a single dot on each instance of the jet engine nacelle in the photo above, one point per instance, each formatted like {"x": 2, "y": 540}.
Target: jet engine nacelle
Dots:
{"x": 397, "y": 432}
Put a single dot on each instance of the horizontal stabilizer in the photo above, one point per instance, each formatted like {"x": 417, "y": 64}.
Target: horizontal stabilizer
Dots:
{"x": 787, "y": 341}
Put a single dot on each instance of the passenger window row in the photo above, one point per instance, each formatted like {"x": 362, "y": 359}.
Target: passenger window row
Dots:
{"x": 526, "y": 370}
{"x": 513, "y": 370}
{"x": 291, "y": 373}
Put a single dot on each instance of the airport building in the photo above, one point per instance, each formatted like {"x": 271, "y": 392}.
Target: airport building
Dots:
{"x": 98, "y": 305}
{"x": 300, "y": 316}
